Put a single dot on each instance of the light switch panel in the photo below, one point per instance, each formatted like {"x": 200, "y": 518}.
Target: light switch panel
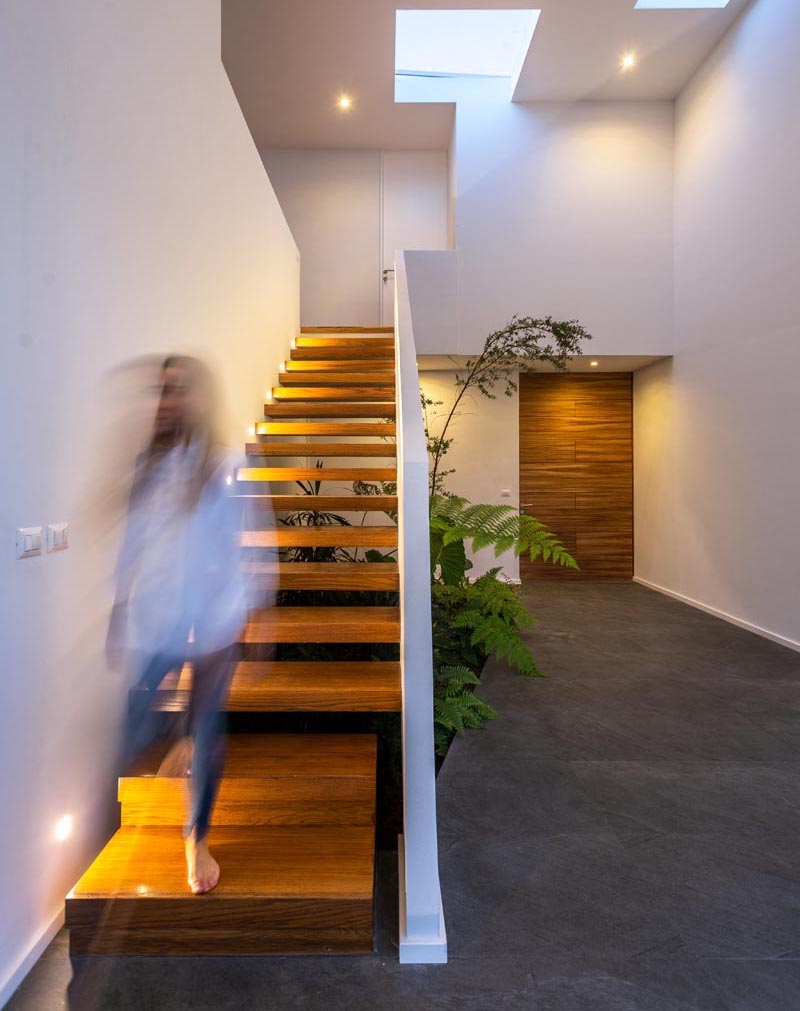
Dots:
{"x": 29, "y": 542}
{"x": 57, "y": 536}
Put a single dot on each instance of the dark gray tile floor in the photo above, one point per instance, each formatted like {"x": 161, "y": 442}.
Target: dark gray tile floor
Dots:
{"x": 623, "y": 838}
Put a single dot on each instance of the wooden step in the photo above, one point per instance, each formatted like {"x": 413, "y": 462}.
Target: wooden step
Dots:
{"x": 369, "y": 474}
{"x": 317, "y": 449}
{"x": 269, "y": 779}
{"x": 333, "y": 410}
{"x": 337, "y": 379}
{"x": 323, "y": 624}
{"x": 346, "y": 329}
{"x": 333, "y": 393}
{"x": 343, "y": 365}
{"x": 386, "y": 344}
{"x": 297, "y": 686}
{"x": 346, "y": 428}
{"x": 326, "y": 575}
{"x": 321, "y": 537}
{"x": 323, "y": 503}
{"x": 374, "y": 352}
{"x": 283, "y": 890}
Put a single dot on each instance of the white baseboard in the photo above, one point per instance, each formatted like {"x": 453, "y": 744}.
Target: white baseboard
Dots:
{"x": 418, "y": 950}
{"x": 12, "y": 982}
{"x": 741, "y": 622}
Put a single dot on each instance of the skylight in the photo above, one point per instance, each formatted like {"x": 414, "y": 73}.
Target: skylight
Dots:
{"x": 471, "y": 43}
{"x": 679, "y": 5}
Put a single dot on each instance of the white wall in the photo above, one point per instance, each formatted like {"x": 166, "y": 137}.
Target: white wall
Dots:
{"x": 566, "y": 210}
{"x": 135, "y": 216}
{"x": 349, "y": 211}
{"x": 332, "y": 203}
{"x": 484, "y": 454}
{"x": 561, "y": 209}
{"x": 717, "y": 431}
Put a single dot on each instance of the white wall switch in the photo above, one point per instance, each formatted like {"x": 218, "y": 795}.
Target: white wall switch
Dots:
{"x": 57, "y": 536}
{"x": 29, "y": 542}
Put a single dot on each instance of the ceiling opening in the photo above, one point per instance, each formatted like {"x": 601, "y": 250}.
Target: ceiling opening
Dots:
{"x": 463, "y": 43}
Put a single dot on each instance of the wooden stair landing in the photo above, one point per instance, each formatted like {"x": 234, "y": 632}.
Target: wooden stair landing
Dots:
{"x": 283, "y": 890}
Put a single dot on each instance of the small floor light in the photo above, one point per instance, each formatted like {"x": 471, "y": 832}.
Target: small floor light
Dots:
{"x": 64, "y": 828}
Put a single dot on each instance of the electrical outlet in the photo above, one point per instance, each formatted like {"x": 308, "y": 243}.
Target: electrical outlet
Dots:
{"x": 57, "y": 536}
{"x": 29, "y": 542}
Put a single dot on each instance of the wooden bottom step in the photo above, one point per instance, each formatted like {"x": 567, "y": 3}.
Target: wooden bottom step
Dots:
{"x": 282, "y": 890}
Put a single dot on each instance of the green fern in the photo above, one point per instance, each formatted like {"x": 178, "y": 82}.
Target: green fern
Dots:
{"x": 456, "y": 707}
{"x": 499, "y": 526}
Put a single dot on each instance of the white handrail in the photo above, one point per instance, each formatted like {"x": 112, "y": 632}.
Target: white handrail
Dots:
{"x": 422, "y": 931}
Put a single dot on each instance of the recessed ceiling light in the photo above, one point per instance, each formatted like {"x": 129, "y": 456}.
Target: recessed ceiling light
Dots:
{"x": 628, "y": 61}
{"x": 594, "y": 364}
{"x": 345, "y": 102}
{"x": 679, "y": 5}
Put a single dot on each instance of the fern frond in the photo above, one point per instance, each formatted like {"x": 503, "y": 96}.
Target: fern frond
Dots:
{"x": 500, "y": 527}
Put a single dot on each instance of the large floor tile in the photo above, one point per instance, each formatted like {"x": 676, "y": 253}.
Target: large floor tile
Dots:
{"x": 547, "y": 895}
{"x": 645, "y": 799}
{"x": 731, "y": 895}
{"x": 757, "y": 985}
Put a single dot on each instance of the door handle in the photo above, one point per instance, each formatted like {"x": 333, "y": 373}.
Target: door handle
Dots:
{"x": 386, "y": 272}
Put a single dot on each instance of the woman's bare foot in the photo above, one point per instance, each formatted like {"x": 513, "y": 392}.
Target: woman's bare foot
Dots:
{"x": 178, "y": 760}
{"x": 203, "y": 868}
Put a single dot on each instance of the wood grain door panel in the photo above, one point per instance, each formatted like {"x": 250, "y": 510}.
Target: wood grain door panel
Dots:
{"x": 576, "y": 470}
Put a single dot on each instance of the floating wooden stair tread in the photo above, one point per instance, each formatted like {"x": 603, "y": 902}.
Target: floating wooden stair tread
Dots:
{"x": 270, "y": 779}
{"x": 337, "y": 379}
{"x": 354, "y": 428}
{"x": 323, "y": 503}
{"x": 283, "y": 756}
{"x": 341, "y": 365}
{"x": 328, "y": 575}
{"x": 299, "y": 686}
{"x": 386, "y": 344}
{"x": 309, "y": 409}
{"x": 368, "y": 474}
{"x": 323, "y": 624}
{"x": 343, "y": 353}
{"x": 290, "y": 449}
{"x": 283, "y": 889}
{"x": 346, "y": 329}
{"x": 377, "y": 393}
{"x": 322, "y": 537}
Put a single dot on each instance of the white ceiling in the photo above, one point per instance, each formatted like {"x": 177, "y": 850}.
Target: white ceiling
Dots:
{"x": 289, "y": 60}
{"x": 580, "y": 363}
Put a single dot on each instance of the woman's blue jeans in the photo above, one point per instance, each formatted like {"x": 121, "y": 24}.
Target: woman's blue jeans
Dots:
{"x": 211, "y": 676}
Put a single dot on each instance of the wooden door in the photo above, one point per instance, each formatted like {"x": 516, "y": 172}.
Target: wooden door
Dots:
{"x": 576, "y": 469}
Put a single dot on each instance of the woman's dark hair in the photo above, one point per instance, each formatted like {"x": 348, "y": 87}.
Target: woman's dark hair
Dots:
{"x": 202, "y": 427}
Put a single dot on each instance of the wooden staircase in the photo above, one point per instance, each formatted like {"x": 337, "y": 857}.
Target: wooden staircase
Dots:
{"x": 294, "y": 825}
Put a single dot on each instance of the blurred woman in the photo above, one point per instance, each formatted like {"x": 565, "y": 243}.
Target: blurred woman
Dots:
{"x": 181, "y": 592}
